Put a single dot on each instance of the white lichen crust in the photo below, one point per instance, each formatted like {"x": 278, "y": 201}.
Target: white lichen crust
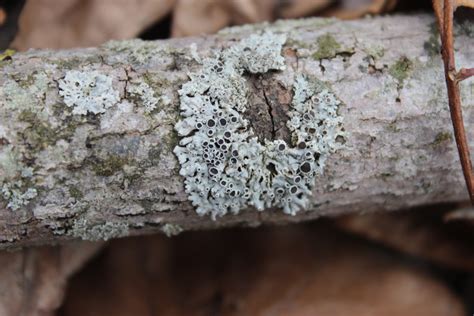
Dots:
{"x": 225, "y": 168}
{"x": 88, "y": 91}
{"x": 171, "y": 230}
{"x": 15, "y": 180}
{"x": 16, "y": 195}
{"x": 95, "y": 232}
{"x": 146, "y": 94}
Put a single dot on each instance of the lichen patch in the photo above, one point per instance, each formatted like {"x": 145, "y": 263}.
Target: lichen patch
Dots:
{"x": 171, "y": 230}
{"x": 16, "y": 195}
{"x": 88, "y": 92}
{"x": 84, "y": 229}
{"x": 146, "y": 96}
{"x": 15, "y": 179}
{"x": 225, "y": 167}
{"x": 24, "y": 96}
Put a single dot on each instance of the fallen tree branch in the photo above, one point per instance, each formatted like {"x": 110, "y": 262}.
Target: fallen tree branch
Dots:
{"x": 87, "y": 135}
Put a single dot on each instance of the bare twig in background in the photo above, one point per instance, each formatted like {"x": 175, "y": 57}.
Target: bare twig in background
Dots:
{"x": 350, "y": 9}
{"x": 444, "y": 10}
{"x": 77, "y": 23}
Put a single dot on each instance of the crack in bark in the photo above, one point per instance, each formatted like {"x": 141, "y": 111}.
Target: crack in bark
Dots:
{"x": 269, "y": 102}
{"x": 269, "y": 109}
{"x": 258, "y": 114}
{"x": 127, "y": 80}
{"x": 321, "y": 67}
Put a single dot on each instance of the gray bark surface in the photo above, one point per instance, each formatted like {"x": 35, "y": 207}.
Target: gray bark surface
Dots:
{"x": 101, "y": 176}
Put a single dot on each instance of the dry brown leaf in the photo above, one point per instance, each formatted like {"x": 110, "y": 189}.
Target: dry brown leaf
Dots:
{"x": 251, "y": 11}
{"x": 422, "y": 233}
{"x": 78, "y": 23}
{"x": 351, "y": 9}
{"x": 33, "y": 280}
{"x": 465, "y": 3}
{"x": 438, "y": 6}
{"x": 195, "y": 17}
{"x": 461, "y": 214}
{"x": 294, "y": 271}
{"x": 300, "y": 8}
{"x": 72, "y": 23}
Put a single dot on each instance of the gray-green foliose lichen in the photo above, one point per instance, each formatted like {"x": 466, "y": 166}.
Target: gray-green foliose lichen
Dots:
{"x": 15, "y": 180}
{"x": 225, "y": 168}
{"x": 171, "y": 230}
{"x": 142, "y": 90}
{"x": 137, "y": 50}
{"x": 16, "y": 195}
{"x": 88, "y": 91}
{"x": 85, "y": 230}
{"x": 17, "y": 183}
{"x": 17, "y": 95}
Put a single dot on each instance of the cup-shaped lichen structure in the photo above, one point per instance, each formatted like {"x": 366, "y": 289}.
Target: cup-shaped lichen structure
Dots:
{"x": 225, "y": 167}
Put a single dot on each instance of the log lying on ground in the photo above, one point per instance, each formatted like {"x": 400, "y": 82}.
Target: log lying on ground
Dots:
{"x": 99, "y": 171}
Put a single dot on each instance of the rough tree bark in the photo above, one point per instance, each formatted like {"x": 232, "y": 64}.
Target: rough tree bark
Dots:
{"x": 99, "y": 176}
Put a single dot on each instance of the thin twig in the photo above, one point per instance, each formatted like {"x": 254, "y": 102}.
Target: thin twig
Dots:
{"x": 445, "y": 16}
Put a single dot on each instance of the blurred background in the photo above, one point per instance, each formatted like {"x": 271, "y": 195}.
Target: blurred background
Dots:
{"x": 413, "y": 262}
{"x": 77, "y": 23}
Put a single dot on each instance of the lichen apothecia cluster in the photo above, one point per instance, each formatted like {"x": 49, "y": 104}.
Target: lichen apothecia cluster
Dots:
{"x": 225, "y": 167}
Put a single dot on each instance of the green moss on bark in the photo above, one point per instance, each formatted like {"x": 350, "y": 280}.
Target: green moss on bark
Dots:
{"x": 432, "y": 45}
{"x": 401, "y": 69}
{"x": 328, "y": 47}
{"x": 40, "y": 134}
{"x": 109, "y": 166}
{"x": 440, "y": 138}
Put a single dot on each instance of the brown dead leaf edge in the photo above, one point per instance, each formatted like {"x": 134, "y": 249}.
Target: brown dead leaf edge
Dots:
{"x": 444, "y": 11}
